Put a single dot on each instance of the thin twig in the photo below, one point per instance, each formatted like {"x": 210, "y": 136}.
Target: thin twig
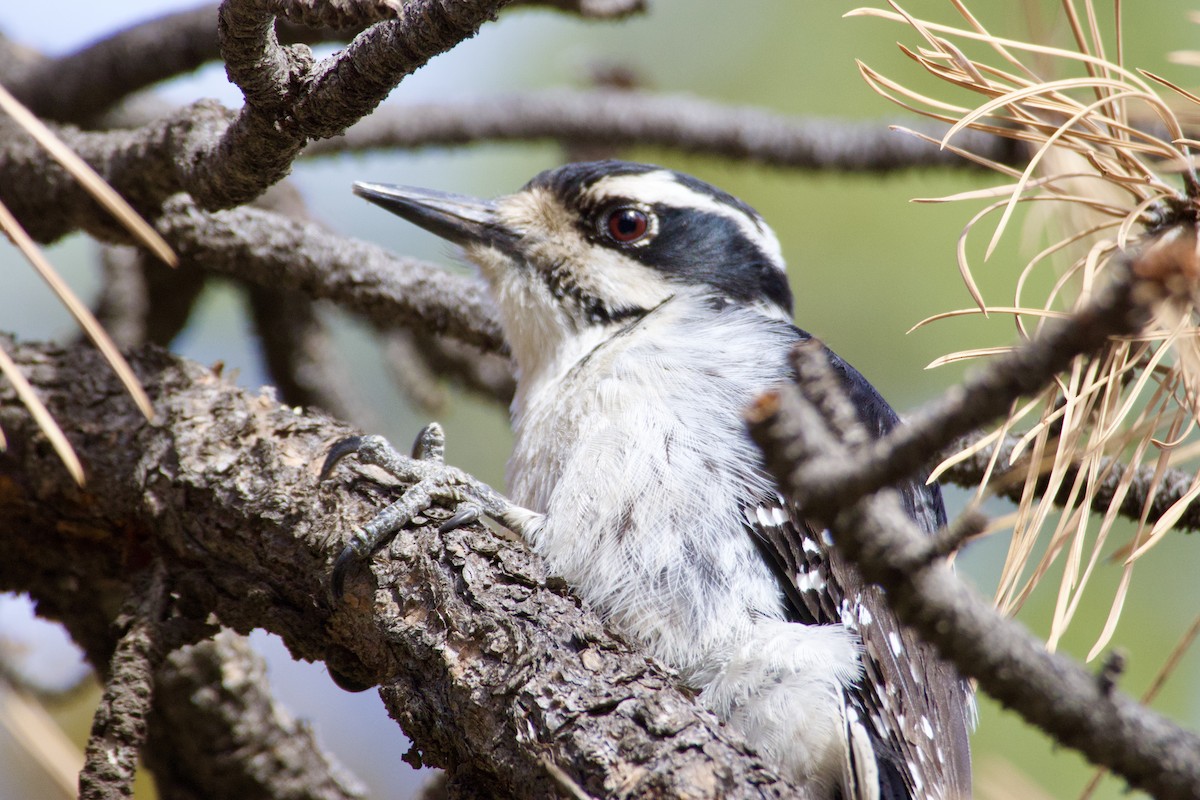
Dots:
{"x": 488, "y": 375}
{"x": 119, "y": 726}
{"x": 1119, "y": 309}
{"x": 404, "y": 360}
{"x": 298, "y": 352}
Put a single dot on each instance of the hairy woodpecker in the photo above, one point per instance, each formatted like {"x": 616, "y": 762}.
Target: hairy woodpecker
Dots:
{"x": 645, "y": 310}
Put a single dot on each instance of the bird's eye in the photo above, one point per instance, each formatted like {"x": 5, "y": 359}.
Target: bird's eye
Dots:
{"x": 627, "y": 225}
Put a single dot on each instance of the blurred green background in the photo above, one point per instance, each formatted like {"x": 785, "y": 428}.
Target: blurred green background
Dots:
{"x": 866, "y": 264}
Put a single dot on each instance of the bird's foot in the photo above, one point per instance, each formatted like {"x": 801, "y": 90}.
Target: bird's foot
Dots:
{"x": 429, "y": 480}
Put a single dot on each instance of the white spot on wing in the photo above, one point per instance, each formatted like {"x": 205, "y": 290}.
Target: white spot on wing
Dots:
{"x": 810, "y": 546}
{"x": 895, "y": 643}
{"x": 926, "y": 728}
{"x": 763, "y": 516}
{"x": 864, "y": 615}
{"x": 770, "y": 517}
{"x": 810, "y": 581}
{"x": 848, "y": 617}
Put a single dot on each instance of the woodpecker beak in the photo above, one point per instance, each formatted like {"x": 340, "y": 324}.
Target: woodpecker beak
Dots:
{"x": 457, "y": 218}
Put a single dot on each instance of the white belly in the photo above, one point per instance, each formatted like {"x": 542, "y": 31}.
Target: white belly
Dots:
{"x": 644, "y": 475}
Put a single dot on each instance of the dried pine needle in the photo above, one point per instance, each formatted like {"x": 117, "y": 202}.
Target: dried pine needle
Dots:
{"x": 81, "y": 313}
{"x": 87, "y": 177}
{"x": 123, "y": 213}
{"x": 1110, "y": 182}
{"x": 42, "y": 416}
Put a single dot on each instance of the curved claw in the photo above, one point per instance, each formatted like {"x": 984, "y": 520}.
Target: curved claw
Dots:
{"x": 346, "y": 447}
{"x": 337, "y": 579}
{"x": 464, "y": 515}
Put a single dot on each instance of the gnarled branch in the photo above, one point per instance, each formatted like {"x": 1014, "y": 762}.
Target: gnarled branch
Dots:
{"x": 487, "y": 661}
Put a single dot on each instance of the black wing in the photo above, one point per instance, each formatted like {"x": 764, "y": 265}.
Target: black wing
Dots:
{"x": 915, "y": 707}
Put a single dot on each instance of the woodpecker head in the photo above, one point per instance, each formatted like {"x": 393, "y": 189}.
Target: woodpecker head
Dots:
{"x": 582, "y": 250}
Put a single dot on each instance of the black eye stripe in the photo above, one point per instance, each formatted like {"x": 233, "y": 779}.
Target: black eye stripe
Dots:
{"x": 691, "y": 245}
{"x": 703, "y": 247}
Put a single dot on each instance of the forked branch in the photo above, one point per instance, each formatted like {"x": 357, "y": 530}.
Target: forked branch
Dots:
{"x": 804, "y": 430}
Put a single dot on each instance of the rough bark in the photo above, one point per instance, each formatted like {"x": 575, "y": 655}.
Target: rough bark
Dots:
{"x": 216, "y": 731}
{"x": 489, "y": 664}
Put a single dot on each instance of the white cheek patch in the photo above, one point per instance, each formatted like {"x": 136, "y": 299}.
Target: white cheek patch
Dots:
{"x": 660, "y": 186}
{"x": 620, "y": 280}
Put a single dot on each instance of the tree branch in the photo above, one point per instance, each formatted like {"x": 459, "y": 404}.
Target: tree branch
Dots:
{"x": 222, "y": 488}
{"x": 1170, "y": 486}
{"x": 803, "y": 431}
{"x": 290, "y": 99}
{"x": 608, "y": 117}
{"x": 270, "y": 250}
{"x": 145, "y": 165}
{"x": 590, "y": 9}
{"x": 1011, "y": 665}
{"x": 216, "y": 731}
{"x": 119, "y": 724}
{"x": 76, "y": 87}
{"x": 1119, "y": 309}
{"x": 224, "y": 159}
{"x": 175, "y": 153}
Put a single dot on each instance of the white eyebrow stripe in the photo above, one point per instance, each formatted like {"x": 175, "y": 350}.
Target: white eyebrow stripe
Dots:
{"x": 660, "y": 186}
